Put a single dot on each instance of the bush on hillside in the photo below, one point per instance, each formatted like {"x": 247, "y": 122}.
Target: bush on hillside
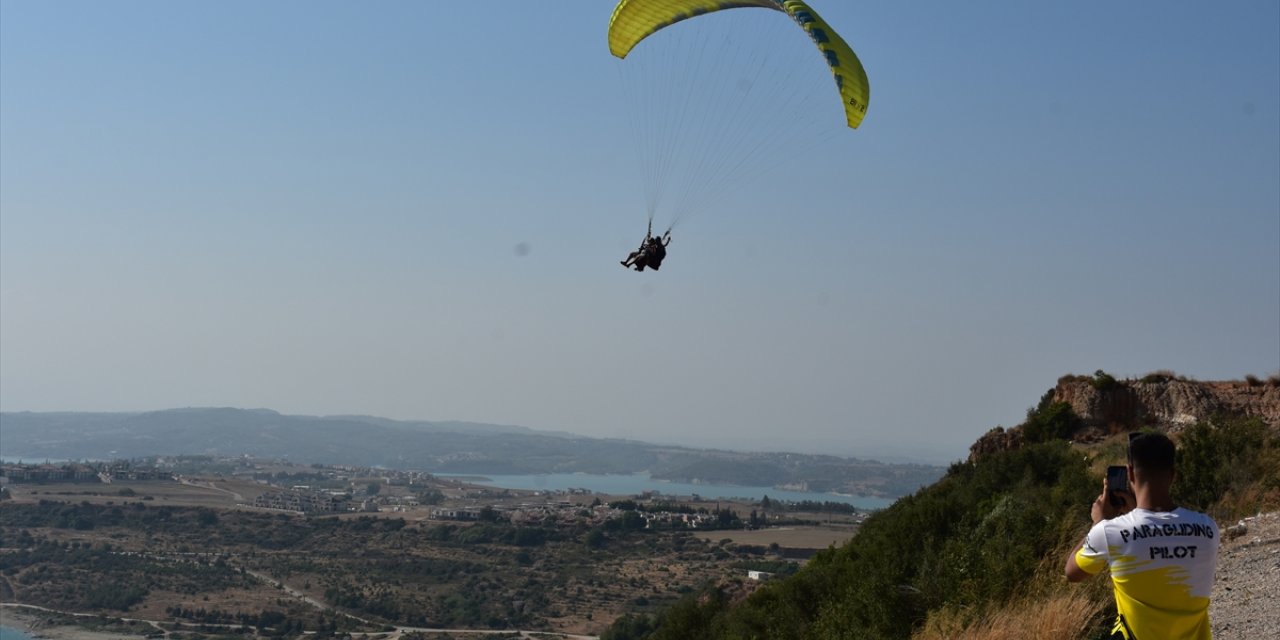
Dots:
{"x": 1051, "y": 421}
{"x": 1229, "y": 469}
{"x": 1162, "y": 375}
{"x": 971, "y": 539}
{"x": 1103, "y": 381}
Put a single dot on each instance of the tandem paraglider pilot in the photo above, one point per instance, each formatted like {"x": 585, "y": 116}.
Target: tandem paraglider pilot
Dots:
{"x": 1162, "y": 556}
{"x": 651, "y": 252}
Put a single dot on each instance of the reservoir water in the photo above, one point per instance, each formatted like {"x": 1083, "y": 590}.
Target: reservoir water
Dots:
{"x": 635, "y": 484}
{"x": 9, "y": 633}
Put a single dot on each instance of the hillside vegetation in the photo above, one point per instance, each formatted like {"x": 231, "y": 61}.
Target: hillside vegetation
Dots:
{"x": 185, "y": 565}
{"x": 979, "y": 553}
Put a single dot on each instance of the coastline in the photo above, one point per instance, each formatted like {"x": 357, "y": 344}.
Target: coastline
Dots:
{"x": 638, "y": 483}
{"x": 12, "y": 632}
{"x": 52, "y": 626}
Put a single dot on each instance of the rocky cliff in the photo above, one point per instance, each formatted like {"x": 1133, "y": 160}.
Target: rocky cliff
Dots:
{"x": 1107, "y": 406}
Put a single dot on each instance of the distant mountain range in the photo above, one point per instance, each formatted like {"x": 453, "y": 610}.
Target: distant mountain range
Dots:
{"x": 437, "y": 447}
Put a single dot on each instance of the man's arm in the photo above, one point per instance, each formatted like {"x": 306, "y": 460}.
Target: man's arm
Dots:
{"x": 1102, "y": 509}
{"x": 1073, "y": 570}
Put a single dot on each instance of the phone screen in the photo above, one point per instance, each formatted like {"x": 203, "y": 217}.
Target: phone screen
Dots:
{"x": 1117, "y": 480}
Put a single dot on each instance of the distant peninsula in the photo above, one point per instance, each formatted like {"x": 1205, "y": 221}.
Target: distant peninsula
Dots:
{"x": 435, "y": 447}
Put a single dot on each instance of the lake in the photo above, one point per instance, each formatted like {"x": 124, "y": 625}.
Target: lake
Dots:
{"x": 29, "y": 460}
{"x": 9, "y": 633}
{"x": 634, "y": 484}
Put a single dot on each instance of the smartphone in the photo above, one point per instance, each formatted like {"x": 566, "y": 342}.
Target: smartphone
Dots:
{"x": 1117, "y": 480}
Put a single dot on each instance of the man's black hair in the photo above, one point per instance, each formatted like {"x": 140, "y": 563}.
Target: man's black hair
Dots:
{"x": 1152, "y": 452}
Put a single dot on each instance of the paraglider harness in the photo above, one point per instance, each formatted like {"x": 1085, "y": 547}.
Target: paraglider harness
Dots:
{"x": 652, "y": 251}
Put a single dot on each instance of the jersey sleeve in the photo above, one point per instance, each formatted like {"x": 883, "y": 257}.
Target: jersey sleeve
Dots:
{"x": 1092, "y": 556}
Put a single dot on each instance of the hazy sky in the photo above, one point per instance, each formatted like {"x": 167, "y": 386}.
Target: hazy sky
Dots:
{"x": 416, "y": 209}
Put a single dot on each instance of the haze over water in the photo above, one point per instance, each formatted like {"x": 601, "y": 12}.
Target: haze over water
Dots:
{"x": 635, "y": 484}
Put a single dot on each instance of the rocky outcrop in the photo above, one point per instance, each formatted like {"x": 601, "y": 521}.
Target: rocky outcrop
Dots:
{"x": 996, "y": 440}
{"x": 1107, "y": 407}
{"x": 1169, "y": 405}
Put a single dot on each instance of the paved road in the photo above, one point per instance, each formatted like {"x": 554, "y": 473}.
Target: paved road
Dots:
{"x": 209, "y": 485}
{"x": 153, "y": 623}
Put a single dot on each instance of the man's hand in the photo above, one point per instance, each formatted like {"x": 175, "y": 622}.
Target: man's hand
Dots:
{"x": 1103, "y": 509}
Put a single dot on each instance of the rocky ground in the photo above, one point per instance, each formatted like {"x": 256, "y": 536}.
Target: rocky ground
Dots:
{"x": 1246, "y": 592}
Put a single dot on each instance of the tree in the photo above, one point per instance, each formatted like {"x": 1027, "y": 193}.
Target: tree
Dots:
{"x": 1056, "y": 421}
{"x": 595, "y": 538}
{"x": 207, "y": 518}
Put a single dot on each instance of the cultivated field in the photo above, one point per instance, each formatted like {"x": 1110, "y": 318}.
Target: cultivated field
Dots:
{"x": 192, "y": 492}
{"x": 801, "y": 537}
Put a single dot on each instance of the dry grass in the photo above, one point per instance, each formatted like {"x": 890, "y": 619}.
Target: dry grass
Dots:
{"x": 1049, "y": 608}
{"x": 1253, "y": 499}
{"x": 1068, "y": 614}
{"x": 158, "y": 492}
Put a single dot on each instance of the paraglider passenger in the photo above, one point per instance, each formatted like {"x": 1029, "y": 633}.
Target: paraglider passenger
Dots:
{"x": 638, "y": 257}
{"x": 650, "y": 254}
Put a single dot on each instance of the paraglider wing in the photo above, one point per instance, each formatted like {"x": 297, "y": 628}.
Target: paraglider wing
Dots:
{"x": 635, "y": 20}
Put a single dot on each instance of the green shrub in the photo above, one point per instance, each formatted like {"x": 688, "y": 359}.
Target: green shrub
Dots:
{"x": 1163, "y": 375}
{"x": 630, "y": 627}
{"x": 1230, "y": 469}
{"x": 1103, "y": 381}
{"x": 1056, "y": 421}
{"x": 971, "y": 539}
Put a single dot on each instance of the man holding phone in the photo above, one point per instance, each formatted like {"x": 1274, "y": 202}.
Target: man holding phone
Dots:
{"x": 1162, "y": 557}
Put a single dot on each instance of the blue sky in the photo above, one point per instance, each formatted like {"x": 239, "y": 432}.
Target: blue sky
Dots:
{"x": 415, "y": 210}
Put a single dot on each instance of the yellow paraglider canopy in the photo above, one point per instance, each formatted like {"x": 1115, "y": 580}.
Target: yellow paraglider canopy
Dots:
{"x": 635, "y": 20}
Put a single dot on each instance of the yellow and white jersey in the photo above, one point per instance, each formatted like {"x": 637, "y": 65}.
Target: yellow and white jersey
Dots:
{"x": 1162, "y": 564}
